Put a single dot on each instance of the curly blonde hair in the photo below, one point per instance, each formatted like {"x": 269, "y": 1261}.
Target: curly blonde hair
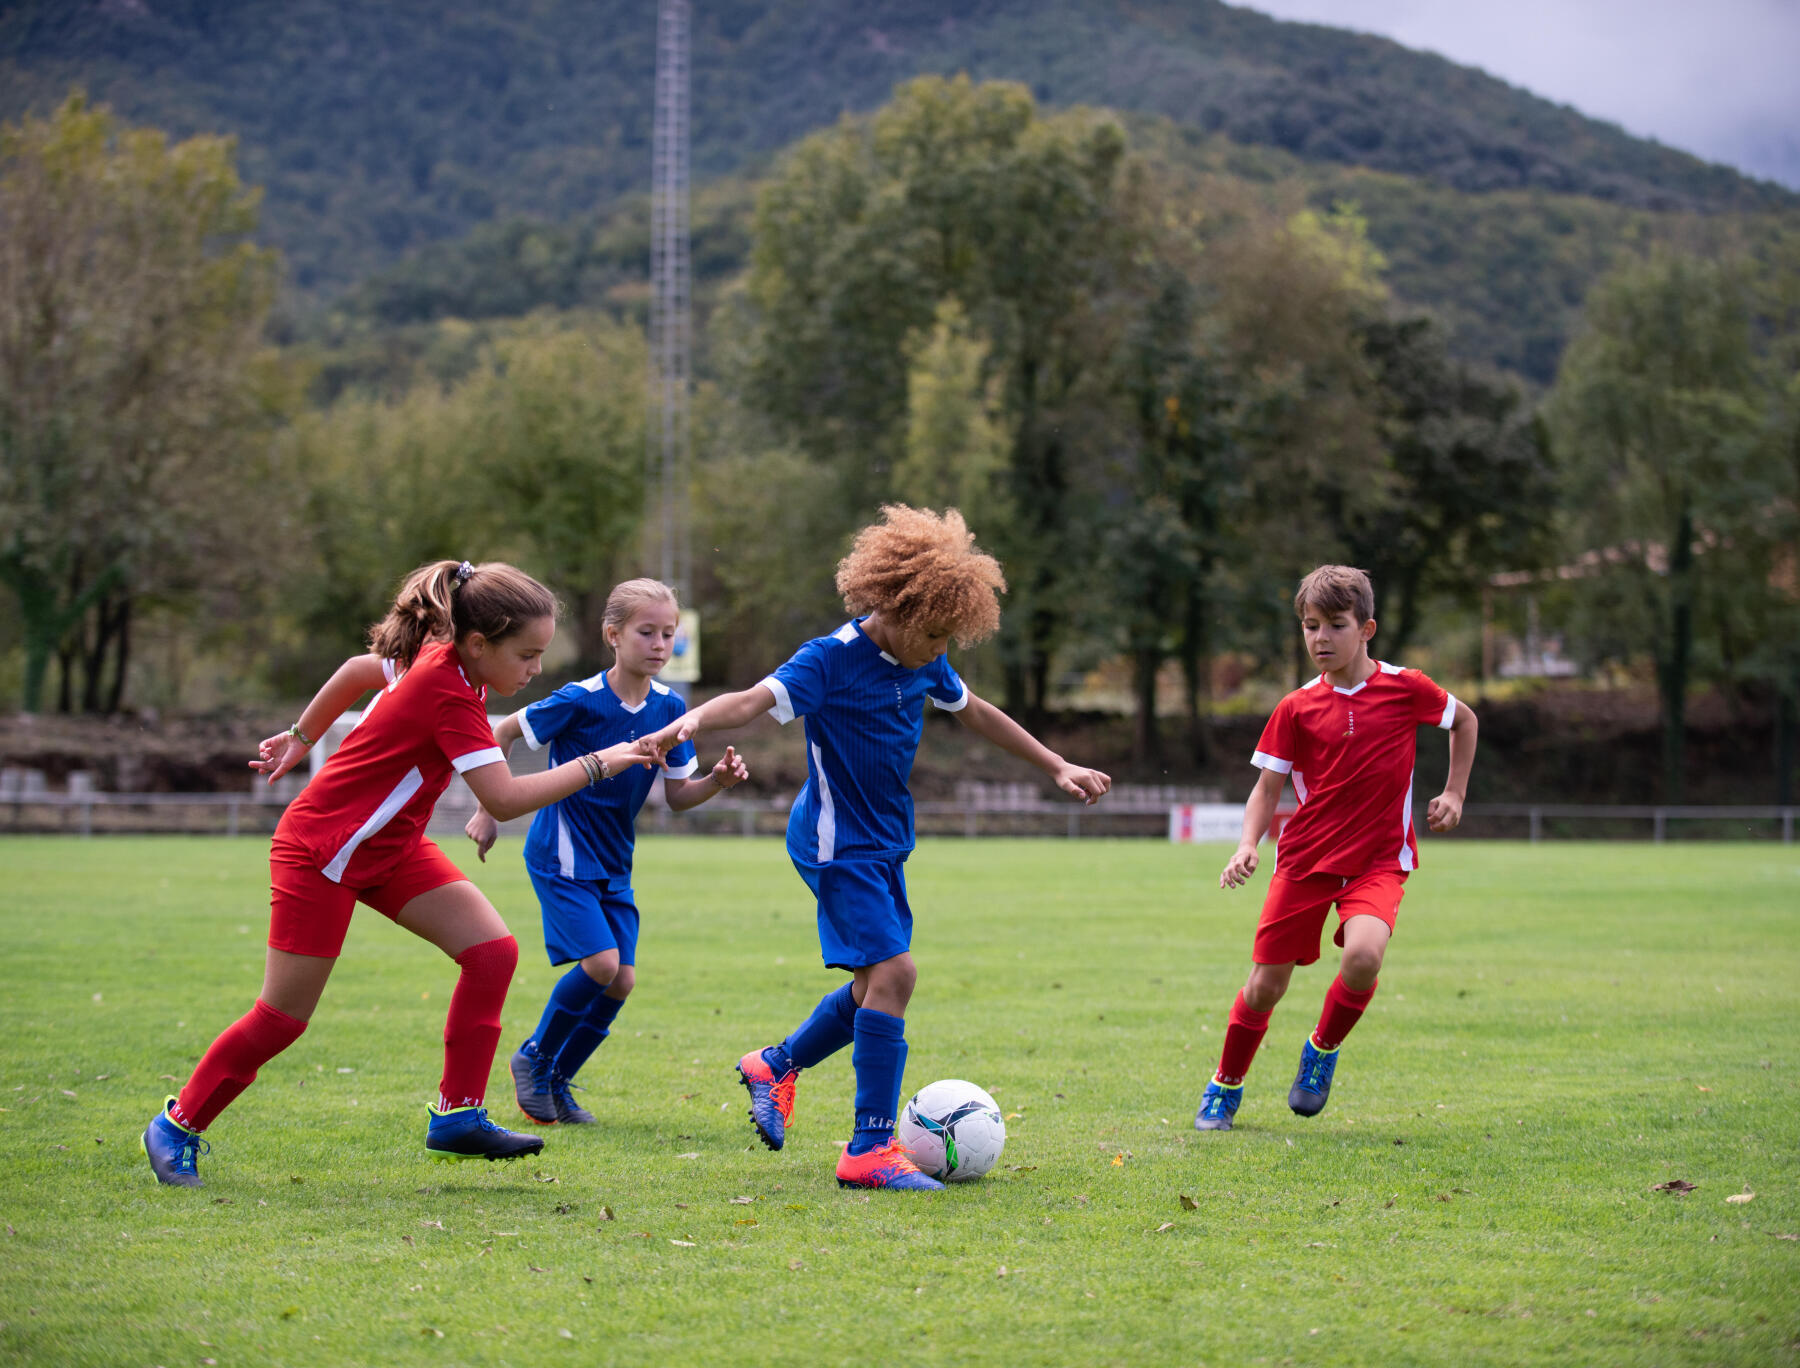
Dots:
{"x": 919, "y": 569}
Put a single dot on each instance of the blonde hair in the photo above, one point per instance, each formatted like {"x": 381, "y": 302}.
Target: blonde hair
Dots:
{"x": 623, "y": 603}
{"x": 1337, "y": 589}
{"x": 921, "y": 568}
{"x": 447, "y": 600}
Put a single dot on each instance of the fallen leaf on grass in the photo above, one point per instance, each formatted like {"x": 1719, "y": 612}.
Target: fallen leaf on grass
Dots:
{"x": 439, "y": 1225}
{"x": 533, "y": 1268}
{"x": 685, "y": 1244}
{"x": 1118, "y": 1161}
{"x": 1739, "y": 1198}
{"x": 222, "y": 1201}
{"x": 747, "y": 1222}
{"x": 585, "y": 1278}
{"x": 1166, "y": 1225}
{"x": 606, "y": 1213}
{"x": 1188, "y": 1203}
{"x": 794, "y": 1265}
{"x": 641, "y": 1234}
{"x": 1443, "y": 1196}
{"x": 691, "y": 1154}
{"x": 1778, "y": 1235}
{"x": 1010, "y": 1116}
{"x": 742, "y": 1201}
{"x": 1702, "y": 1087}
{"x": 546, "y": 1178}
{"x": 431, "y": 1332}
{"x": 565, "y": 1334}
{"x": 1673, "y": 1185}
{"x": 406, "y": 1239}
{"x": 564, "y": 1208}
{"x": 1082, "y": 1198}
{"x": 1021, "y": 1168}
{"x": 1000, "y": 1272}
{"x": 295, "y": 1178}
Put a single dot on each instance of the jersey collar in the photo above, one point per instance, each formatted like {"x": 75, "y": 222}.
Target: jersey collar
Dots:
{"x": 853, "y": 629}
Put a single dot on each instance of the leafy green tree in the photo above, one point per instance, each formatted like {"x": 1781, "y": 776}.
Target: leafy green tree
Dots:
{"x": 1661, "y": 421}
{"x": 130, "y": 314}
{"x": 952, "y": 191}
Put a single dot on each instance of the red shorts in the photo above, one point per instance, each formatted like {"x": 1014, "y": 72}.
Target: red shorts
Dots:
{"x": 1293, "y": 913}
{"x": 310, "y": 915}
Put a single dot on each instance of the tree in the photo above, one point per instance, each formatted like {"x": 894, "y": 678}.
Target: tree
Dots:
{"x": 953, "y": 191}
{"x": 130, "y": 313}
{"x": 1660, "y": 418}
{"x": 1470, "y": 479}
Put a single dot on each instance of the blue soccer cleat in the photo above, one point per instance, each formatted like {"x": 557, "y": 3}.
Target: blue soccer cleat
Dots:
{"x": 1312, "y": 1084}
{"x": 466, "y": 1133}
{"x": 771, "y": 1098}
{"x": 173, "y": 1150}
{"x": 569, "y": 1112}
{"x": 531, "y": 1074}
{"x": 888, "y": 1166}
{"x": 1218, "y": 1105}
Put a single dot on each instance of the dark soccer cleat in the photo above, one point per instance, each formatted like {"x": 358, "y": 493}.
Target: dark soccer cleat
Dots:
{"x": 771, "y": 1098}
{"x": 531, "y": 1084}
{"x": 173, "y": 1150}
{"x": 569, "y": 1112}
{"x": 1312, "y": 1084}
{"x": 466, "y": 1133}
{"x": 888, "y": 1166}
{"x": 1218, "y": 1105}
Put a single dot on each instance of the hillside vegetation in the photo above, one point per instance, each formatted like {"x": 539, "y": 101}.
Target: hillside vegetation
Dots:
{"x": 376, "y": 129}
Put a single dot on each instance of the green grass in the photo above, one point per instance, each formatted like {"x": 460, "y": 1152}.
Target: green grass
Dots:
{"x": 1558, "y": 1029}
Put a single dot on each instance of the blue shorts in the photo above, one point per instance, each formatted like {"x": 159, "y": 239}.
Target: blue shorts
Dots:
{"x": 582, "y": 919}
{"x": 864, "y": 917}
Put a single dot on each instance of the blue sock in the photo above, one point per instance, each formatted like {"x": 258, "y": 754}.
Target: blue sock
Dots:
{"x": 879, "y": 1056}
{"x": 587, "y": 1035}
{"x": 830, "y": 1027}
{"x": 570, "y": 1001}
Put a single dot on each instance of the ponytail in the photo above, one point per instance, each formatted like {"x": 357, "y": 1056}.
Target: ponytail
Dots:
{"x": 447, "y": 600}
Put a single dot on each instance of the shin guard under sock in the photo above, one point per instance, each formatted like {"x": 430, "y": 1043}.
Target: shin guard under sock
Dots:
{"x": 472, "y": 1028}
{"x": 879, "y": 1056}
{"x": 1343, "y": 1009}
{"x": 831, "y": 1026}
{"x": 1244, "y": 1031}
{"x": 230, "y": 1063}
{"x": 585, "y": 1038}
{"x": 570, "y": 1001}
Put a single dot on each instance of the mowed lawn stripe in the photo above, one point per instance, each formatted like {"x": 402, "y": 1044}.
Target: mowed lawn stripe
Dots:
{"x": 1558, "y": 1029}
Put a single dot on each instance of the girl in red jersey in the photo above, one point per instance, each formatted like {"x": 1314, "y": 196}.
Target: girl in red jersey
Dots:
{"x": 356, "y": 834}
{"x": 1346, "y": 740}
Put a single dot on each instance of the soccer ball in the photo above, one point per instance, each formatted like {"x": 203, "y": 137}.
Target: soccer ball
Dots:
{"x": 953, "y": 1130}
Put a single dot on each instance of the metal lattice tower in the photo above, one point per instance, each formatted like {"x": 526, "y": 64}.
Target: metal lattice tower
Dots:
{"x": 671, "y": 312}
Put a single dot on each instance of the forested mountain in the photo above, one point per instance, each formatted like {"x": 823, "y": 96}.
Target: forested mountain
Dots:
{"x": 378, "y": 128}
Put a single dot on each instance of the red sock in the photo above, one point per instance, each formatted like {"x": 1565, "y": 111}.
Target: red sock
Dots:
{"x": 1243, "y": 1033}
{"x": 1343, "y": 1009}
{"x": 472, "y": 1029}
{"x": 230, "y": 1064}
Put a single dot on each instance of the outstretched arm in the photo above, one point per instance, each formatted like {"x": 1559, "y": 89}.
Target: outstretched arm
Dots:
{"x": 716, "y": 714}
{"x": 992, "y": 725}
{"x": 1444, "y": 812}
{"x": 350, "y": 681}
{"x": 1259, "y": 811}
{"x": 507, "y": 795}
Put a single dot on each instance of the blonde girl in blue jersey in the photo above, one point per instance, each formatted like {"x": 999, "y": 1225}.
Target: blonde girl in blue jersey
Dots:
{"x": 914, "y": 580}
{"x": 579, "y": 851}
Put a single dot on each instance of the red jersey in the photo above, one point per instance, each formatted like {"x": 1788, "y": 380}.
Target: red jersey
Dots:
{"x": 367, "y": 806}
{"x": 1350, "y": 755}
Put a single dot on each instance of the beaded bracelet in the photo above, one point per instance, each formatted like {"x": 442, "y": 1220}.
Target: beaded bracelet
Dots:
{"x": 303, "y": 738}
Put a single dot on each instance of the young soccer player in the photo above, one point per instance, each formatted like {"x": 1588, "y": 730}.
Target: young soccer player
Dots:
{"x": 578, "y": 852}
{"x": 1347, "y": 741}
{"x": 356, "y": 834}
{"x": 916, "y": 579}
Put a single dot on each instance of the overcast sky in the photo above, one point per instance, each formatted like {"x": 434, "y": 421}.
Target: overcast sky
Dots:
{"x": 1719, "y": 78}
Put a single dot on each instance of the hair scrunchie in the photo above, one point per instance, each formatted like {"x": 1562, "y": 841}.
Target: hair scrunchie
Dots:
{"x": 462, "y": 573}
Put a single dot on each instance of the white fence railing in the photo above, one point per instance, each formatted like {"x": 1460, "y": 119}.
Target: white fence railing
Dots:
{"x": 90, "y": 812}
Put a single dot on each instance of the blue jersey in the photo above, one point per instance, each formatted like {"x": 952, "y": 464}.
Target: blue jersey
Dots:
{"x": 590, "y": 834}
{"x": 865, "y": 713}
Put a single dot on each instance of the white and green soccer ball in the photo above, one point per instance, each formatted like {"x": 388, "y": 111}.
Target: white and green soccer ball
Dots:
{"x": 953, "y": 1130}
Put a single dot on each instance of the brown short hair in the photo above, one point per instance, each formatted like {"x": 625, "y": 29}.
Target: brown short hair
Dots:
{"x": 923, "y": 569}
{"x": 1337, "y": 589}
{"x": 444, "y": 602}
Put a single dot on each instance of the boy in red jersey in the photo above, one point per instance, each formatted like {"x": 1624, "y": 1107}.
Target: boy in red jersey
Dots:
{"x": 356, "y": 834}
{"x": 1347, "y": 742}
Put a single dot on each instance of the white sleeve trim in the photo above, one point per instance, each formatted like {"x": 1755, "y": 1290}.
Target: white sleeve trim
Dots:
{"x": 476, "y": 759}
{"x": 388, "y": 670}
{"x": 961, "y": 703}
{"x": 681, "y": 771}
{"x": 1448, "y": 720}
{"x": 783, "y": 711}
{"x": 531, "y": 738}
{"x": 1263, "y": 760}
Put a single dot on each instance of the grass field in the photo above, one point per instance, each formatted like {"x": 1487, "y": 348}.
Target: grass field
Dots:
{"x": 1559, "y": 1029}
